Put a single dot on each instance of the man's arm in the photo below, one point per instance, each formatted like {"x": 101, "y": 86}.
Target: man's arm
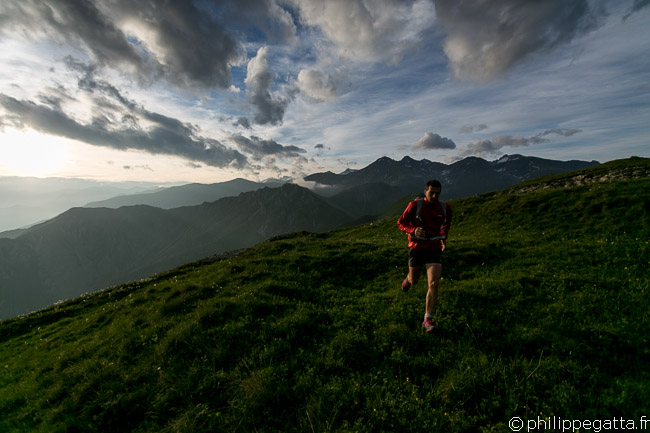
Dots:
{"x": 405, "y": 221}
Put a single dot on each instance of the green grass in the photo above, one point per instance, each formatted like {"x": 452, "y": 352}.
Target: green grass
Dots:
{"x": 543, "y": 312}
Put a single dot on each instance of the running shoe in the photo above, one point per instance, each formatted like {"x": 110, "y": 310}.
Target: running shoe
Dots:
{"x": 428, "y": 325}
{"x": 406, "y": 285}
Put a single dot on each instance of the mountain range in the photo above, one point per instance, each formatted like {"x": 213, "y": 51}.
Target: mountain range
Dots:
{"x": 86, "y": 249}
{"x": 370, "y": 190}
{"x": 466, "y": 177}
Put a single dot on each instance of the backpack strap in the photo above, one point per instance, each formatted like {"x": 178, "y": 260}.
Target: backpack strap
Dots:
{"x": 419, "y": 202}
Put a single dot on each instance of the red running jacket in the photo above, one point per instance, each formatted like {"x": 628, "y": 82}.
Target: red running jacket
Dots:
{"x": 431, "y": 218}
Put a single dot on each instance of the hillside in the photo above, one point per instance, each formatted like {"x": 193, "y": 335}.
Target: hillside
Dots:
{"x": 543, "y": 313}
{"x": 86, "y": 249}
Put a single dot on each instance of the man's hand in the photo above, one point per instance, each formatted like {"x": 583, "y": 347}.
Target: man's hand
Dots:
{"x": 420, "y": 232}
{"x": 443, "y": 244}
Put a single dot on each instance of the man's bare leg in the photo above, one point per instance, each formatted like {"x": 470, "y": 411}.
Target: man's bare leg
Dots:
{"x": 434, "y": 271}
{"x": 414, "y": 275}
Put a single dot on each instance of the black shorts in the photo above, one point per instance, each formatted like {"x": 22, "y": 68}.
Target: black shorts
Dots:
{"x": 419, "y": 258}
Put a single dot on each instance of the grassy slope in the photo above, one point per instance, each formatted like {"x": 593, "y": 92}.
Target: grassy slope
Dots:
{"x": 543, "y": 313}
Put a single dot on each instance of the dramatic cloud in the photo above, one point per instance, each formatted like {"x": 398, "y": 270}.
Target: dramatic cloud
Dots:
{"x": 431, "y": 141}
{"x": 261, "y": 148}
{"x": 181, "y": 41}
{"x": 487, "y": 147}
{"x": 115, "y": 122}
{"x": 268, "y": 16}
{"x": 369, "y": 30}
{"x": 486, "y": 38}
{"x": 180, "y": 77}
{"x": 270, "y": 108}
{"x": 316, "y": 85}
{"x": 80, "y": 23}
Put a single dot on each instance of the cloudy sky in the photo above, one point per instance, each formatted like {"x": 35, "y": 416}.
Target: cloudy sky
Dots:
{"x": 209, "y": 90}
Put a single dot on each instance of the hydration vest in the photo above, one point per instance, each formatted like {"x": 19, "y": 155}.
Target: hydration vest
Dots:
{"x": 419, "y": 202}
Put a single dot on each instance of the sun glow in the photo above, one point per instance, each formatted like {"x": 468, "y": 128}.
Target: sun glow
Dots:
{"x": 29, "y": 153}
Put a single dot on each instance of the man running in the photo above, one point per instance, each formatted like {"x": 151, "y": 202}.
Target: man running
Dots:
{"x": 426, "y": 221}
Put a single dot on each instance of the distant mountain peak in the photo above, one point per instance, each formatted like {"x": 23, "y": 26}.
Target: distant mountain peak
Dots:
{"x": 470, "y": 161}
{"x": 383, "y": 161}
